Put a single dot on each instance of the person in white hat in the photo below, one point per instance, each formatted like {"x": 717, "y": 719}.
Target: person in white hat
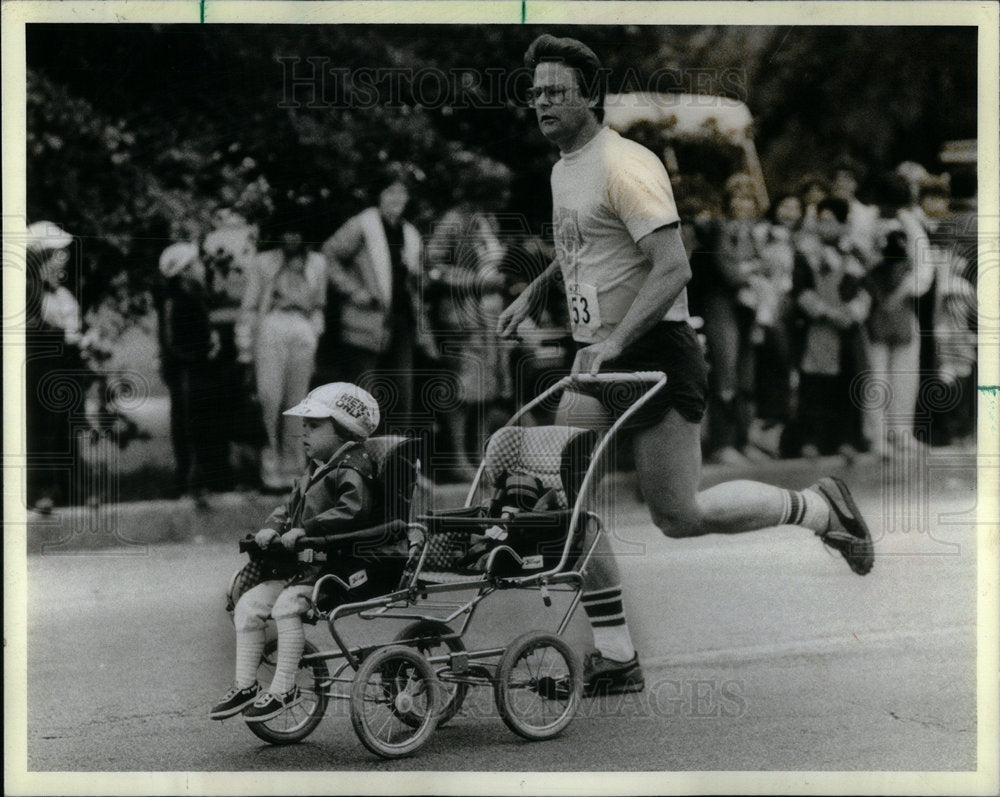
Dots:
{"x": 48, "y": 251}
{"x": 187, "y": 350}
{"x": 333, "y": 496}
{"x": 54, "y": 364}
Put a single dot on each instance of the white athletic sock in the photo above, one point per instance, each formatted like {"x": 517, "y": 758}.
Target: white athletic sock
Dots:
{"x": 805, "y": 508}
{"x": 606, "y": 613}
{"x": 291, "y": 643}
{"x": 249, "y": 647}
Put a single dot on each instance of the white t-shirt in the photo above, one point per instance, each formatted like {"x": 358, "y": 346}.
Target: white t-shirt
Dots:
{"x": 606, "y": 196}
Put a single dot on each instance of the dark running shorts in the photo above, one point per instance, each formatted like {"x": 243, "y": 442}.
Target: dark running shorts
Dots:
{"x": 671, "y": 347}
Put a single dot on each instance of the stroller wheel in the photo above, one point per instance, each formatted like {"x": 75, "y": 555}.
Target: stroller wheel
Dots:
{"x": 298, "y": 721}
{"x": 435, "y": 638}
{"x": 394, "y": 701}
{"x": 538, "y": 686}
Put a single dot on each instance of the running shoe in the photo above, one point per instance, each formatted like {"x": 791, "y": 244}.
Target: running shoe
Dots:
{"x": 603, "y": 676}
{"x": 847, "y": 531}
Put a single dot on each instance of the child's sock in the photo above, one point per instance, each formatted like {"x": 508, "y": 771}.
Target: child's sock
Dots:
{"x": 291, "y": 643}
{"x": 249, "y": 647}
{"x": 606, "y": 613}
{"x": 805, "y": 508}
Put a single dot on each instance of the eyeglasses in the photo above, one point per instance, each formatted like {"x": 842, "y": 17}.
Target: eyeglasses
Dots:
{"x": 554, "y": 94}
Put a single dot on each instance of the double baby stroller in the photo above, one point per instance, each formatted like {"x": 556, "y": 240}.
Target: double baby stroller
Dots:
{"x": 533, "y": 532}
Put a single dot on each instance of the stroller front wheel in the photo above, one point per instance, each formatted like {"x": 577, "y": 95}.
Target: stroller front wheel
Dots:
{"x": 538, "y": 686}
{"x": 435, "y": 638}
{"x": 394, "y": 701}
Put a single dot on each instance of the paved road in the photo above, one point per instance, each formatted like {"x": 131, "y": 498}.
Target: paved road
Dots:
{"x": 761, "y": 652}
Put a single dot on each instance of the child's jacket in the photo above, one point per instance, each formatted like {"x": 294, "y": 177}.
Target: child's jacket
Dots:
{"x": 329, "y": 499}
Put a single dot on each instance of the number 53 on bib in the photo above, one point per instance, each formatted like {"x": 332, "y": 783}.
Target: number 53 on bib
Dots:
{"x": 584, "y": 311}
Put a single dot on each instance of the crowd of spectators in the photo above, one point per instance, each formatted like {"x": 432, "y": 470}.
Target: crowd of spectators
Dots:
{"x": 835, "y": 326}
{"x": 831, "y": 326}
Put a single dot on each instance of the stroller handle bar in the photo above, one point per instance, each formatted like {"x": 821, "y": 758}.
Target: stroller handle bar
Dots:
{"x": 655, "y": 381}
{"x": 630, "y": 376}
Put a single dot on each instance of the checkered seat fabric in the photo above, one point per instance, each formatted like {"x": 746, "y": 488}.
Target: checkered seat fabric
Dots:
{"x": 557, "y": 456}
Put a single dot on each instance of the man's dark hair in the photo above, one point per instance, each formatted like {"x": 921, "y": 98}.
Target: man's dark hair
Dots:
{"x": 590, "y": 75}
{"x": 835, "y": 205}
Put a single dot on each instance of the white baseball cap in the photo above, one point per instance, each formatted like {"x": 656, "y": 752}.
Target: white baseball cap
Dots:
{"x": 47, "y": 235}
{"x": 347, "y": 404}
{"x": 176, "y": 257}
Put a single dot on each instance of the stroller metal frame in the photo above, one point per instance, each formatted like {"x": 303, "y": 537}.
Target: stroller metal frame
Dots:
{"x": 417, "y": 600}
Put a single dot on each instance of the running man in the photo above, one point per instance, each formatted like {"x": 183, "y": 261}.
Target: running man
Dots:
{"x": 620, "y": 257}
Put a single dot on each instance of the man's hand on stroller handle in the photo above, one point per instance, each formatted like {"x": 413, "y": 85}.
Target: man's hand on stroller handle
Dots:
{"x": 589, "y": 359}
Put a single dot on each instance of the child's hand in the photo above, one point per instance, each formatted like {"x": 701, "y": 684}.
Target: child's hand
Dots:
{"x": 289, "y": 537}
{"x": 265, "y": 537}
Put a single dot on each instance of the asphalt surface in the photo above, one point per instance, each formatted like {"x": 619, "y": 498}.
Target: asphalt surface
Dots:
{"x": 761, "y": 652}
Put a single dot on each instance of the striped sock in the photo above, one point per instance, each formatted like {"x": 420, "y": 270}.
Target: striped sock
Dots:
{"x": 606, "y": 613}
{"x": 291, "y": 643}
{"x": 249, "y": 647}
{"x": 805, "y": 508}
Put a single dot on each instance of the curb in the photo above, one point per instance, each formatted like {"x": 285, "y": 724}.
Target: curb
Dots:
{"x": 130, "y": 526}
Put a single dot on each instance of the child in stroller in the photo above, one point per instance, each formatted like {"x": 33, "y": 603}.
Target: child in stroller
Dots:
{"x": 333, "y": 498}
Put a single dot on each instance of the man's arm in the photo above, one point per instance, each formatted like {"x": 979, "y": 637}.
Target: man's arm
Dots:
{"x": 521, "y": 307}
{"x": 667, "y": 278}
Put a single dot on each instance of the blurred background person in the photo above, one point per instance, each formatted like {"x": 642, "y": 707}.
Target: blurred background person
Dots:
{"x": 466, "y": 295}
{"x": 727, "y": 298}
{"x": 375, "y": 268}
{"x": 56, "y": 375}
{"x": 235, "y": 430}
{"x": 776, "y": 241}
{"x": 544, "y": 349}
{"x": 947, "y": 356}
{"x": 283, "y": 311}
{"x": 832, "y": 304}
{"x": 811, "y": 190}
{"x": 188, "y": 346}
{"x": 862, "y": 219}
{"x": 902, "y": 274}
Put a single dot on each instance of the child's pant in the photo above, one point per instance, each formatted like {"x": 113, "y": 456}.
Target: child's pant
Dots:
{"x": 286, "y": 605}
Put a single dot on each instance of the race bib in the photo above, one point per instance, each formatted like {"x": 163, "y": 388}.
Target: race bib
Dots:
{"x": 584, "y": 311}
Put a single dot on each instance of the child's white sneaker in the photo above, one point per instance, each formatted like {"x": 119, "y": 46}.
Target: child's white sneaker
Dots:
{"x": 268, "y": 706}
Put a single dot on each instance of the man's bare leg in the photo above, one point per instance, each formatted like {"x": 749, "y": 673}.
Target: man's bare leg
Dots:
{"x": 668, "y": 462}
{"x": 602, "y": 592}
